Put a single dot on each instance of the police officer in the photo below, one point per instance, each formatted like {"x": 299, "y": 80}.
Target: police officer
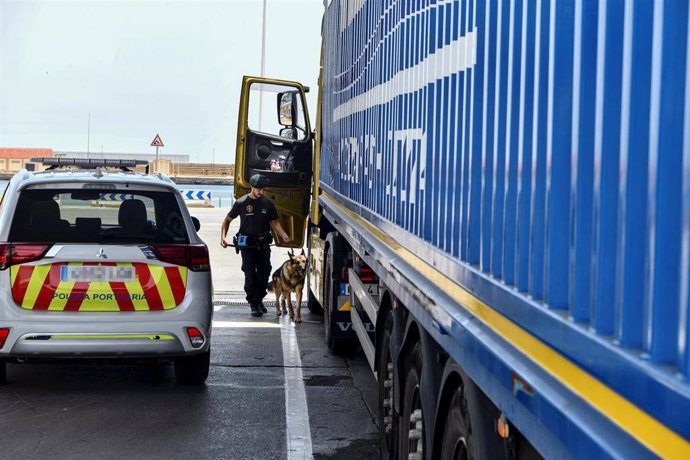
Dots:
{"x": 257, "y": 215}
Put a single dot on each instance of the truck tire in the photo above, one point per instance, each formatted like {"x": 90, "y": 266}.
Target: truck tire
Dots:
{"x": 388, "y": 419}
{"x": 192, "y": 370}
{"x": 337, "y": 345}
{"x": 3, "y": 372}
{"x": 468, "y": 429}
{"x": 412, "y": 416}
{"x": 457, "y": 443}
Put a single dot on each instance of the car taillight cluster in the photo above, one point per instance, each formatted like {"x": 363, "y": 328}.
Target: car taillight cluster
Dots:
{"x": 14, "y": 254}
{"x": 196, "y": 338}
{"x": 192, "y": 256}
{"x": 4, "y": 332}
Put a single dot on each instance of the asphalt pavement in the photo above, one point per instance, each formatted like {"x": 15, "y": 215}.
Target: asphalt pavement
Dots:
{"x": 109, "y": 410}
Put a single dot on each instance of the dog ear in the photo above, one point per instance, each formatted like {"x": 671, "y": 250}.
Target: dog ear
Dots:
{"x": 302, "y": 253}
{"x": 291, "y": 254}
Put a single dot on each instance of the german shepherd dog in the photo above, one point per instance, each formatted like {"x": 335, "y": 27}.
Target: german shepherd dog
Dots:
{"x": 288, "y": 278}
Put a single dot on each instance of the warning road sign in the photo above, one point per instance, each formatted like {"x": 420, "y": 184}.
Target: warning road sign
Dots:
{"x": 157, "y": 142}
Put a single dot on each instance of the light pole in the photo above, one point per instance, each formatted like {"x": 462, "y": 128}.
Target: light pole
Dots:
{"x": 263, "y": 62}
{"x": 263, "y": 41}
{"x": 88, "y": 136}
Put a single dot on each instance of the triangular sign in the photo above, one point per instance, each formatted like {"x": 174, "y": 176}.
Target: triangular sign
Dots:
{"x": 157, "y": 142}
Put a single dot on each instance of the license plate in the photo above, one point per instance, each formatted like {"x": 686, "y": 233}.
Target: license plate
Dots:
{"x": 97, "y": 274}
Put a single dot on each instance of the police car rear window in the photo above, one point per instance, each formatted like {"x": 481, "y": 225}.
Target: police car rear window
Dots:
{"x": 97, "y": 216}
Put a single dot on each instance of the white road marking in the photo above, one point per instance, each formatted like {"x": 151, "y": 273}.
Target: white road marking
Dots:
{"x": 296, "y": 412}
{"x": 245, "y": 324}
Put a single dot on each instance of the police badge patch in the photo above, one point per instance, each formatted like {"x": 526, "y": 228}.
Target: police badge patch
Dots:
{"x": 249, "y": 208}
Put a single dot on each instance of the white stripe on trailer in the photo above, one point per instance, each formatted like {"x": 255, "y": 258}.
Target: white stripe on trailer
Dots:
{"x": 298, "y": 431}
{"x": 436, "y": 66}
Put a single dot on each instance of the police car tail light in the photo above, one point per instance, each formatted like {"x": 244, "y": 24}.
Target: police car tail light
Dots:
{"x": 172, "y": 253}
{"x": 198, "y": 258}
{"x": 14, "y": 254}
{"x": 192, "y": 256}
{"x": 195, "y": 337}
{"x": 4, "y": 332}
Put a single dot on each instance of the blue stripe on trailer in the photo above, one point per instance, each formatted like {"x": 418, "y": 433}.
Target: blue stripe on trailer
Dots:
{"x": 633, "y": 225}
{"x": 558, "y": 154}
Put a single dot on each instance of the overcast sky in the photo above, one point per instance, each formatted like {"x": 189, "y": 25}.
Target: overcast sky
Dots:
{"x": 144, "y": 67}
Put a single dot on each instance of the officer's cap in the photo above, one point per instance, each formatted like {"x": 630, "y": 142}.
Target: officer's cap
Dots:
{"x": 259, "y": 181}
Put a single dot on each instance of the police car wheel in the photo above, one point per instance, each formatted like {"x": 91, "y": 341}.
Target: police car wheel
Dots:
{"x": 192, "y": 370}
{"x": 3, "y": 372}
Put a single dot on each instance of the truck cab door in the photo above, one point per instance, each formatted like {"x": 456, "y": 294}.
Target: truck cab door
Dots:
{"x": 274, "y": 138}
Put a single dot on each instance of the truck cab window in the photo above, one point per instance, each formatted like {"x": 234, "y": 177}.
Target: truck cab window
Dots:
{"x": 263, "y": 117}
{"x": 278, "y": 135}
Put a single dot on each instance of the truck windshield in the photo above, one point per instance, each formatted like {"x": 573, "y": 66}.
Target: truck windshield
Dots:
{"x": 97, "y": 216}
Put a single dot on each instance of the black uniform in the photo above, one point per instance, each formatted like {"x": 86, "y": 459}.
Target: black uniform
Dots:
{"x": 255, "y": 217}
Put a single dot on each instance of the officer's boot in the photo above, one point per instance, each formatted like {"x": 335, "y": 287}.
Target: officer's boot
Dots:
{"x": 256, "y": 309}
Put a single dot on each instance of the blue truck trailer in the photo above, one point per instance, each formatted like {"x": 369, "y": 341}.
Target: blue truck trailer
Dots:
{"x": 500, "y": 218}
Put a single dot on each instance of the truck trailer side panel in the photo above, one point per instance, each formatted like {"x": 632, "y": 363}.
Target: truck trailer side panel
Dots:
{"x": 526, "y": 165}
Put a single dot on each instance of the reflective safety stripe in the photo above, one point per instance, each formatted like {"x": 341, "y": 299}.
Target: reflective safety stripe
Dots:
{"x": 154, "y": 337}
{"x": 346, "y": 306}
{"x": 40, "y": 287}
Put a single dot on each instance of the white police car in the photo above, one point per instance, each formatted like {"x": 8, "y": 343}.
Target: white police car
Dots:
{"x": 102, "y": 264}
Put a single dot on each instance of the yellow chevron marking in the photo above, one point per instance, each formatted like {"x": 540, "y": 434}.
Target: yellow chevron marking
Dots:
{"x": 154, "y": 337}
{"x": 100, "y": 298}
{"x": 135, "y": 288}
{"x": 14, "y": 270}
{"x": 164, "y": 289}
{"x": 38, "y": 277}
{"x": 183, "y": 276}
{"x": 65, "y": 288}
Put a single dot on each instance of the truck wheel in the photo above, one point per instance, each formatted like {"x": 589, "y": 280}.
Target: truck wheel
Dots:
{"x": 313, "y": 304}
{"x": 337, "y": 345}
{"x": 3, "y": 372}
{"x": 192, "y": 370}
{"x": 468, "y": 428}
{"x": 412, "y": 416}
{"x": 456, "y": 441}
{"x": 388, "y": 419}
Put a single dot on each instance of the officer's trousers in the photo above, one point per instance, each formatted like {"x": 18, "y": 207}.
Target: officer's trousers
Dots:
{"x": 256, "y": 265}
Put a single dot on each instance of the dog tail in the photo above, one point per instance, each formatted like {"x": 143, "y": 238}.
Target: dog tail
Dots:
{"x": 270, "y": 286}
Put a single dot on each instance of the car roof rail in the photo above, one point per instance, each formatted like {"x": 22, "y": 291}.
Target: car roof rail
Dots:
{"x": 89, "y": 163}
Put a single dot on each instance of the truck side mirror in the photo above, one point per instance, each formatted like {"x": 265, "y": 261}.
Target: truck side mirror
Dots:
{"x": 287, "y": 109}
{"x": 289, "y": 133}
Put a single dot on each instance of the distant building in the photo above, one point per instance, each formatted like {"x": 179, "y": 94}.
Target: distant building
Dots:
{"x": 13, "y": 159}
